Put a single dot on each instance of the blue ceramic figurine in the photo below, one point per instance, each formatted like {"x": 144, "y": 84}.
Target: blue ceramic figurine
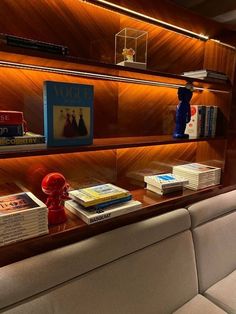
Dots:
{"x": 183, "y": 111}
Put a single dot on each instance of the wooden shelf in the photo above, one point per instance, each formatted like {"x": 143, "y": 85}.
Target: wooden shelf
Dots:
{"x": 106, "y": 144}
{"x": 75, "y": 230}
{"x": 34, "y": 60}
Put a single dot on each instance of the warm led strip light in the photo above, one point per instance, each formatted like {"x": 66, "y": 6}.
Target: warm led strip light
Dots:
{"x": 121, "y": 9}
{"x": 98, "y": 76}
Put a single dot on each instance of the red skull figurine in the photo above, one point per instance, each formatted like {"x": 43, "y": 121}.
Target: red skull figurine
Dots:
{"x": 54, "y": 184}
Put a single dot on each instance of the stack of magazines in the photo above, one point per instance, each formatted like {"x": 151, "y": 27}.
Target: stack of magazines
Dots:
{"x": 101, "y": 202}
{"x": 22, "y": 216}
{"x": 165, "y": 183}
{"x": 199, "y": 175}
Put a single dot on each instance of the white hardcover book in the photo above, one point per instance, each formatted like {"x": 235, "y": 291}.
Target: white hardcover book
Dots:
{"x": 94, "y": 216}
{"x": 165, "y": 180}
{"x": 193, "y": 128}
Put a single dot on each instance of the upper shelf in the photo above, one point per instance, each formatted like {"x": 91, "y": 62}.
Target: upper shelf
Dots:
{"x": 104, "y": 144}
{"x": 67, "y": 65}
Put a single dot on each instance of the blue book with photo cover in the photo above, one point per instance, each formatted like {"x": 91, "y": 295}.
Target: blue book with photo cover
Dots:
{"x": 68, "y": 113}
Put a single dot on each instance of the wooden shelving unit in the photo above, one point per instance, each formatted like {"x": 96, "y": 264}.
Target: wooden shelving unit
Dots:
{"x": 133, "y": 109}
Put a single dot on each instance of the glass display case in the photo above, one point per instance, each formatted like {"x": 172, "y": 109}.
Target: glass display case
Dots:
{"x": 131, "y": 48}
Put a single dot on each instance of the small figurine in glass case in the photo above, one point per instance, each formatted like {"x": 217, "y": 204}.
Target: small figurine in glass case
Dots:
{"x": 128, "y": 53}
{"x": 55, "y": 186}
{"x": 183, "y": 111}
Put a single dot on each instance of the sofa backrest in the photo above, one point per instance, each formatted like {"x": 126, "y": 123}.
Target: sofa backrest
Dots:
{"x": 146, "y": 265}
{"x": 214, "y": 235}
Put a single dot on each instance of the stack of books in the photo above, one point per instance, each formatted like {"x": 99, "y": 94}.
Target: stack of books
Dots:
{"x": 199, "y": 175}
{"x": 165, "y": 183}
{"x": 22, "y": 216}
{"x": 29, "y": 140}
{"x": 203, "y": 74}
{"x": 203, "y": 121}
{"x": 101, "y": 202}
{"x": 13, "y": 135}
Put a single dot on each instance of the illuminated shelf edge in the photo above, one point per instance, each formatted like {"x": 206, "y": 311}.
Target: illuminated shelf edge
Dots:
{"x": 25, "y": 66}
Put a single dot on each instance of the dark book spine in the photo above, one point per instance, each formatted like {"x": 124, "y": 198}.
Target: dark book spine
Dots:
{"x": 203, "y": 116}
{"x": 11, "y": 130}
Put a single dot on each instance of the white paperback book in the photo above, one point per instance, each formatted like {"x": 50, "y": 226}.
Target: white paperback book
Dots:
{"x": 91, "y": 216}
{"x": 165, "y": 180}
{"x": 193, "y": 128}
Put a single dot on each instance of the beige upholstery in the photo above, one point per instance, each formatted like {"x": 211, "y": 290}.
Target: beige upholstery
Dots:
{"x": 211, "y": 208}
{"x": 199, "y": 305}
{"x": 156, "y": 279}
{"x": 215, "y": 249}
{"x": 32, "y": 276}
{"x": 223, "y": 293}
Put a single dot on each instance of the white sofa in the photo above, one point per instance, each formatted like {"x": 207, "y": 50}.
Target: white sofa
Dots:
{"x": 146, "y": 267}
{"x": 214, "y": 236}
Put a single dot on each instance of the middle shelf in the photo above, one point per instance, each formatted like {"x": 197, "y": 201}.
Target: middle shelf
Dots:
{"x": 103, "y": 144}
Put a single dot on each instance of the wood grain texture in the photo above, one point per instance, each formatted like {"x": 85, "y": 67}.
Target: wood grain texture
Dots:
{"x": 219, "y": 58}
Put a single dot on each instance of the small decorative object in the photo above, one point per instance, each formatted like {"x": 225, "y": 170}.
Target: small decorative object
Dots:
{"x": 131, "y": 48}
{"x": 128, "y": 54}
{"x": 183, "y": 111}
{"x": 55, "y": 186}
{"x": 68, "y": 113}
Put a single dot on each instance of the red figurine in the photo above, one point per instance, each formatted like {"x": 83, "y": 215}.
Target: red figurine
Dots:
{"x": 54, "y": 184}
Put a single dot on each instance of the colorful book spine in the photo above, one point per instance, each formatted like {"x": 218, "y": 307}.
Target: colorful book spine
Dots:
{"x": 11, "y": 117}
{"x": 11, "y": 130}
{"x": 193, "y": 128}
{"x": 112, "y": 202}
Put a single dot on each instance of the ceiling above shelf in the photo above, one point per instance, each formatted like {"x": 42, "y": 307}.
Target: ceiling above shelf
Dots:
{"x": 221, "y": 11}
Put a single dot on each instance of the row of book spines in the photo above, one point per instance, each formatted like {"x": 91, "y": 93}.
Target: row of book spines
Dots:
{"x": 23, "y": 223}
{"x": 22, "y": 215}
{"x": 22, "y": 237}
{"x": 19, "y": 230}
{"x": 205, "y": 120}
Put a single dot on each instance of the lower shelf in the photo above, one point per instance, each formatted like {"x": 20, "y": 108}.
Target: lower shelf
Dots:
{"x": 74, "y": 229}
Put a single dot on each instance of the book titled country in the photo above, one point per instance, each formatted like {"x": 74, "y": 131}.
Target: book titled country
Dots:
{"x": 93, "y": 216}
{"x": 68, "y": 113}
{"x": 29, "y": 138}
{"x": 98, "y": 194}
{"x": 166, "y": 180}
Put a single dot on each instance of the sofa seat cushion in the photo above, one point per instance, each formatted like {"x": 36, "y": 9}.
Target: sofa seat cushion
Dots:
{"x": 199, "y": 304}
{"x": 223, "y": 293}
